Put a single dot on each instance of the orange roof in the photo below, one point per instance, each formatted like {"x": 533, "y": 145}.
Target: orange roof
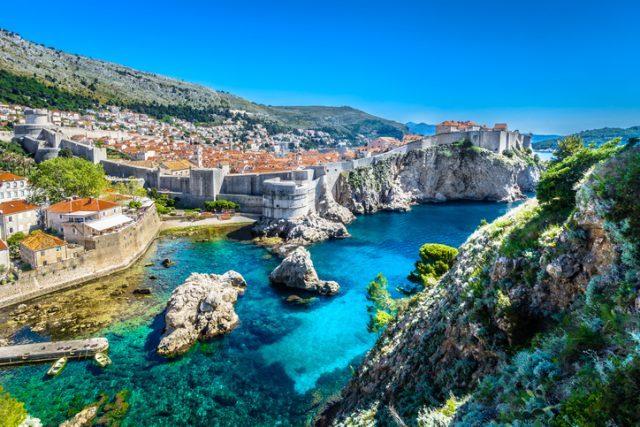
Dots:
{"x": 8, "y": 176}
{"x": 3, "y": 246}
{"x": 86, "y": 204}
{"x": 39, "y": 241}
{"x": 7, "y": 208}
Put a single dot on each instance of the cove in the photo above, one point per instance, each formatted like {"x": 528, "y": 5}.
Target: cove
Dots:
{"x": 276, "y": 368}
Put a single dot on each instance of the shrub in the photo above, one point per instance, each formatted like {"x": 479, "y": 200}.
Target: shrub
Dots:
{"x": 435, "y": 261}
{"x": 220, "y": 204}
{"x": 556, "y": 188}
{"x": 12, "y": 412}
{"x": 134, "y": 204}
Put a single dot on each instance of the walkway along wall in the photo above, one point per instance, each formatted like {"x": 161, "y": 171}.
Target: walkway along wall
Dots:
{"x": 109, "y": 253}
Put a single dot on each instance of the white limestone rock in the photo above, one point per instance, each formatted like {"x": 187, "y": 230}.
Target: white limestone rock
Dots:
{"x": 297, "y": 271}
{"x": 435, "y": 174}
{"x": 305, "y": 230}
{"x": 200, "y": 308}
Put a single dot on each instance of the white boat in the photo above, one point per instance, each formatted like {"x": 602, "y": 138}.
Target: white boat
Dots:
{"x": 102, "y": 360}
{"x": 57, "y": 367}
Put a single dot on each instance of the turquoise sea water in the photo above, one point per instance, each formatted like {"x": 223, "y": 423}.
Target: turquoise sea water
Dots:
{"x": 278, "y": 365}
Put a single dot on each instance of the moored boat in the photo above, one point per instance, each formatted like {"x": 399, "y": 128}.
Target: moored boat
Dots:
{"x": 102, "y": 360}
{"x": 57, "y": 367}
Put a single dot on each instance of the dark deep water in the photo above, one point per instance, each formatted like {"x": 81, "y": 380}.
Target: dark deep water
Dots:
{"x": 281, "y": 362}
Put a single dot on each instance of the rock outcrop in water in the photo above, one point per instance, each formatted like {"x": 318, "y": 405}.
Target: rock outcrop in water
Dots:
{"x": 535, "y": 324}
{"x": 297, "y": 271}
{"x": 200, "y": 308}
{"x": 304, "y": 230}
{"x": 437, "y": 174}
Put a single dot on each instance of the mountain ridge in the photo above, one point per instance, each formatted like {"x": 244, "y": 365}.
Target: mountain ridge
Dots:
{"x": 114, "y": 84}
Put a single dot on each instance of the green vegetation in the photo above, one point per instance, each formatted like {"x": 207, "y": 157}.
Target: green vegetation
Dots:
{"x": 220, "y": 204}
{"x": 594, "y": 136}
{"x": 59, "y": 178}
{"x": 14, "y": 159}
{"x": 621, "y": 188}
{"x": 164, "y": 204}
{"x": 13, "y": 242}
{"x": 134, "y": 204}
{"x": 556, "y": 188}
{"x": 435, "y": 261}
{"x": 12, "y": 412}
{"x": 130, "y": 187}
{"x": 383, "y": 308}
{"x": 22, "y": 90}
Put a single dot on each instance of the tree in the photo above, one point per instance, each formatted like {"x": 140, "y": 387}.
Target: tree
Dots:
{"x": 14, "y": 243}
{"x": 59, "y": 178}
{"x": 435, "y": 261}
{"x": 383, "y": 308}
{"x": 12, "y": 412}
{"x": 130, "y": 187}
{"x": 567, "y": 147}
{"x": 220, "y": 204}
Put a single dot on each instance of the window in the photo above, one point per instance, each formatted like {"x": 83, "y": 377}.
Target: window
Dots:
{"x": 21, "y": 193}
{"x": 1, "y": 195}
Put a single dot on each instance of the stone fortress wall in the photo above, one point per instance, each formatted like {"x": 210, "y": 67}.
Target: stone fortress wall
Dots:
{"x": 102, "y": 255}
{"x": 42, "y": 140}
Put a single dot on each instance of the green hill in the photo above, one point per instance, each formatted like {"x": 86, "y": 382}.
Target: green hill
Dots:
{"x": 36, "y": 75}
{"x": 593, "y": 136}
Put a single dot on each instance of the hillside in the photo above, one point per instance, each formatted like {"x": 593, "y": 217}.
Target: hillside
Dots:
{"x": 593, "y": 136}
{"x": 90, "y": 81}
{"x": 536, "y": 323}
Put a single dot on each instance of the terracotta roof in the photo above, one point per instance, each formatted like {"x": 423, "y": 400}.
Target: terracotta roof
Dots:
{"x": 86, "y": 204}
{"x": 176, "y": 165}
{"x": 3, "y": 246}
{"x": 14, "y": 206}
{"x": 8, "y": 176}
{"x": 39, "y": 241}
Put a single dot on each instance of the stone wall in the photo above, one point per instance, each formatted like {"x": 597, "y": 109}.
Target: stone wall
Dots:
{"x": 105, "y": 255}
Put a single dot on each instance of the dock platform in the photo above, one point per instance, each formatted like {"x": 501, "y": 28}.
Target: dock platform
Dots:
{"x": 49, "y": 351}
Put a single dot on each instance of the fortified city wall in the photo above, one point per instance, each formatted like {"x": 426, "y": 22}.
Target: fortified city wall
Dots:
{"x": 274, "y": 195}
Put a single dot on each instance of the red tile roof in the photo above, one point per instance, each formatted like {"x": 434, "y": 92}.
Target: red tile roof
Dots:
{"x": 8, "y": 176}
{"x": 14, "y": 206}
{"x": 86, "y": 204}
{"x": 3, "y": 246}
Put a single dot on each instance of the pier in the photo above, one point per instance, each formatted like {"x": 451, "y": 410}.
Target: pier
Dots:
{"x": 50, "y": 351}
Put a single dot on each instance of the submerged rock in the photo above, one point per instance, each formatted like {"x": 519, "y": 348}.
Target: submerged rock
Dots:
{"x": 166, "y": 263}
{"x": 200, "y": 308}
{"x": 298, "y": 300}
{"x": 297, "y": 271}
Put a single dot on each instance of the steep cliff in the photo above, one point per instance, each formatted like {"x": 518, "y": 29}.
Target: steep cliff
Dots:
{"x": 535, "y": 324}
{"x": 437, "y": 174}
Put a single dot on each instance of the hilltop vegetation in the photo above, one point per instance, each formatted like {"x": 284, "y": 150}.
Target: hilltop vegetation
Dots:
{"x": 38, "y": 76}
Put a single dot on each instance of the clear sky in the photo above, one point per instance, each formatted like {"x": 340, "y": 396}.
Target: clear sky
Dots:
{"x": 543, "y": 66}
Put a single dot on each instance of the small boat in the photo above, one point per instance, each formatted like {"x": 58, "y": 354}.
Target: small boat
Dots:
{"x": 57, "y": 367}
{"x": 102, "y": 359}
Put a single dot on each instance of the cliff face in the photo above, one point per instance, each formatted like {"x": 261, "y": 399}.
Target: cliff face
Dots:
{"x": 436, "y": 174}
{"x": 537, "y": 321}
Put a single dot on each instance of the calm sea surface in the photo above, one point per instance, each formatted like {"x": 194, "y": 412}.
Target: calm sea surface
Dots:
{"x": 279, "y": 365}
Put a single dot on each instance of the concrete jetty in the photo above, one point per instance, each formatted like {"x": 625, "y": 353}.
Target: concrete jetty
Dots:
{"x": 49, "y": 351}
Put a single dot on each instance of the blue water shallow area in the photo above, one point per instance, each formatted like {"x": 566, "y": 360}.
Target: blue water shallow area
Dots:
{"x": 281, "y": 362}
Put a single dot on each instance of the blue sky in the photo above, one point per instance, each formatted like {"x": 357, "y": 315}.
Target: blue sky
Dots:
{"x": 543, "y": 66}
